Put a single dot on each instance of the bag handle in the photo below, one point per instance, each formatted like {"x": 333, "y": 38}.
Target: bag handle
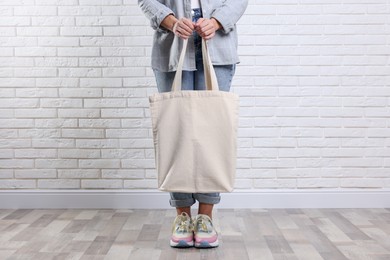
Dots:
{"x": 209, "y": 72}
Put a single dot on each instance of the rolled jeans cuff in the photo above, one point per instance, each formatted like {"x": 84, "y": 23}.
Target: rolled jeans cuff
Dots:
{"x": 212, "y": 198}
{"x": 182, "y": 203}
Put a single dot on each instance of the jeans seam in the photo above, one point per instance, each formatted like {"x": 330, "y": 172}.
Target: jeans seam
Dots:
{"x": 182, "y": 203}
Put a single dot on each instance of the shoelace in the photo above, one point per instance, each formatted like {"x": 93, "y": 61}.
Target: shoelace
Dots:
{"x": 201, "y": 225}
{"x": 182, "y": 225}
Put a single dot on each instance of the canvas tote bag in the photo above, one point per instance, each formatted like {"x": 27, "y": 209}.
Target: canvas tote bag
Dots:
{"x": 195, "y": 134}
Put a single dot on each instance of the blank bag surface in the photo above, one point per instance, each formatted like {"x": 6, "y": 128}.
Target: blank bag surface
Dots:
{"x": 195, "y": 134}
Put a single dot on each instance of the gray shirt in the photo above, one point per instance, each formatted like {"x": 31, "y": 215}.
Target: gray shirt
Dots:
{"x": 166, "y": 46}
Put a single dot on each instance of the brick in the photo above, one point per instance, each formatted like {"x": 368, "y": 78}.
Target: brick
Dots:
{"x": 6, "y": 174}
{"x": 79, "y": 173}
{"x": 59, "y": 184}
{"x": 82, "y": 133}
{"x": 17, "y": 184}
{"x": 78, "y": 153}
{"x": 36, "y": 174}
{"x": 140, "y": 184}
{"x": 122, "y": 174}
{"x": 99, "y": 163}
{"x": 102, "y": 184}
{"x": 35, "y": 153}
{"x": 55, "y": 163}
{"x": 275, "y": 183}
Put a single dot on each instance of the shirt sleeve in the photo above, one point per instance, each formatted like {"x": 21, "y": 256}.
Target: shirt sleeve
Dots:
{"x": 155, "y": 12}
{"x": 229, "y": 13}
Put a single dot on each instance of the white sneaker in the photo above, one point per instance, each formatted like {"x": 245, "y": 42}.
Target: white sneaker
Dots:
{"x": 182, "y": 231}
{"x": 205, "y": 234}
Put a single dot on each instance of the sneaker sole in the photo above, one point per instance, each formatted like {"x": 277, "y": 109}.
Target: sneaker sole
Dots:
{"x": 205, "y": 244}
{"x": 181, "y": 244}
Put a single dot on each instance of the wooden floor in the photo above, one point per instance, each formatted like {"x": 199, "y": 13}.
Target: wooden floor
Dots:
{"x": 244, "y": 234}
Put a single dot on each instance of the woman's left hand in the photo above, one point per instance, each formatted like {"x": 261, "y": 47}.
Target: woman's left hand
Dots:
{"x": 206, "y": 28}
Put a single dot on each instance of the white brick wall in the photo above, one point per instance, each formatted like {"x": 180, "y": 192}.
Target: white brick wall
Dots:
{"x": 314, "y": 86}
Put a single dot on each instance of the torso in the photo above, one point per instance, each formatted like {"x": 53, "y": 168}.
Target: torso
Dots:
{"x": 195, "y": 4}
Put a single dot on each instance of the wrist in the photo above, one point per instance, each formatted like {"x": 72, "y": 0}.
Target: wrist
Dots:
{"x": 174, "y": 23}
{"x": 169, "y": 22}
{"x": 216, "y": 23}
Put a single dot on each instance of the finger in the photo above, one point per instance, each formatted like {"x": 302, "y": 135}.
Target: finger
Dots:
{"x": 184, "y": 29}
{"x": 188, "y": 23}
{"x": 207, "y": 27}
{"x": 200, "y": 20}
{"x": 205, "y": 22}
{"x": 209, "y": 31}
{"x": 185, "y": 36}
{"x": 200, "y": 23}
{"x": 205, "y": 30}
{"x": 208, "y": 37}
{"x": 182, "y": 36}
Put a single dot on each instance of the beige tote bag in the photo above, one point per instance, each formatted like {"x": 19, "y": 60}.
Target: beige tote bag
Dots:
{"x": 195, "y": 134}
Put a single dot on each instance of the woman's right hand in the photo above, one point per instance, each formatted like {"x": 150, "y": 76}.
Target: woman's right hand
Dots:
{"x": 183, "y": 28}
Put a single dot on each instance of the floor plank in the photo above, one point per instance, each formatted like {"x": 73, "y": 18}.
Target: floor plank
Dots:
{"x": 296, "y": 234}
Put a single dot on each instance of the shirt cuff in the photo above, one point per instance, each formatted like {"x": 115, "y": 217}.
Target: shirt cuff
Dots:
{"x": 159, "y": 17}
{"x": 224, "y": 20}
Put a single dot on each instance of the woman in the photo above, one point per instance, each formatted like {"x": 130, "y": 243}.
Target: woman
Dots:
{"x": 173, "y": 21}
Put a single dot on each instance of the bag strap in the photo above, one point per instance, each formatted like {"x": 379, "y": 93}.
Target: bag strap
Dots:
{"x": 209, "y": 72}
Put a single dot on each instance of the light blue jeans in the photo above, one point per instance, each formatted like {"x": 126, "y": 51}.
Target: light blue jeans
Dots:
{"x": 194, "y": 80}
